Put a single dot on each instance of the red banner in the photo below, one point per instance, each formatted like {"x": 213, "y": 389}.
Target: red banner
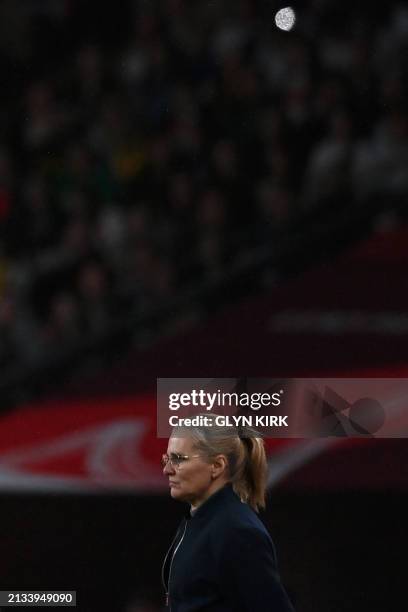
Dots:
{"x": 111, "y": 445}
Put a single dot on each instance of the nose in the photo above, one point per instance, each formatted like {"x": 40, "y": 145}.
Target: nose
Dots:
{"x": 168, "y": 468}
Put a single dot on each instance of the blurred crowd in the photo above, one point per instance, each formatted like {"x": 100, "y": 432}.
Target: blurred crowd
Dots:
{"x": 145, "y": 145}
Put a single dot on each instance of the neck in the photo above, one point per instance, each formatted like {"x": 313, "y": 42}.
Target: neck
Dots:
{"x": 214, "y": 487}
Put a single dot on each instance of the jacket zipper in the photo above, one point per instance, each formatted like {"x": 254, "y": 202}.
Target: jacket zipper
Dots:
{"x": 171, "y": 563}
{"x": 165, "y": 560}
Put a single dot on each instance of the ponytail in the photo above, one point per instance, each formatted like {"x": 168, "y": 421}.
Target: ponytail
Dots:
{"x": 250, "y": 482}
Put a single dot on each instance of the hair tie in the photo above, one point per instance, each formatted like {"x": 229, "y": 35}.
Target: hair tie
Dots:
{"x": 243, "y": 436}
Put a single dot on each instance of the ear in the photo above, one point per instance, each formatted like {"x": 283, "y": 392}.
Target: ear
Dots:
{"x": 219, "y": 466}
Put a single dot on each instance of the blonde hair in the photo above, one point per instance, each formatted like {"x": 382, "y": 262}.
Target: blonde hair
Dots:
{"x": 245, "y": 453}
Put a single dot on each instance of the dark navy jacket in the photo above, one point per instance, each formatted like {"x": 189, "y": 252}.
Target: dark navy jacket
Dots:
{"x": 223, "y": 560}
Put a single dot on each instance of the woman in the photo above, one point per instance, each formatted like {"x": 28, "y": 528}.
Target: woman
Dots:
{"x": 222, "y": 557}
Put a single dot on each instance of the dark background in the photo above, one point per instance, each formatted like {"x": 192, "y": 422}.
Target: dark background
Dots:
{"x": 338, "y": 551}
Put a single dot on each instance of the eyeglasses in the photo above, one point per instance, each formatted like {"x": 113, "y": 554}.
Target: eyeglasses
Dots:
{"x": 175, "y": 459}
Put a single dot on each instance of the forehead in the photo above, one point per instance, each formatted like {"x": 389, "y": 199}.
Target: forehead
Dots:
{"x": 182, "y": 446}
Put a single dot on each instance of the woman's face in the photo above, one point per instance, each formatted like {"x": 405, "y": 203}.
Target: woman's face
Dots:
{"x": 192, "y": 480}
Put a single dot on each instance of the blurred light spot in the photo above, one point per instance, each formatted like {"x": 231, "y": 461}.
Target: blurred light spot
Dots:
{"x": 285, "y": 18}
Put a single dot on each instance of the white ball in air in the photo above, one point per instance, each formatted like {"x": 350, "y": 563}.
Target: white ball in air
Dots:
{"x": 285, "y": 18}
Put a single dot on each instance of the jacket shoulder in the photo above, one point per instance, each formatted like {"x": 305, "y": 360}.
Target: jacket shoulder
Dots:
{"x": 237, "y": 520}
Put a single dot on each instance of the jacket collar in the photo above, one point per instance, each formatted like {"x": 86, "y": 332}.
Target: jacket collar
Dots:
{"x": 213, "y": 503}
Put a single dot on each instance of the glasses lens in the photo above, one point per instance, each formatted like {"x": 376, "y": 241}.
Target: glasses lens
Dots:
{"x": 176, "y": 459}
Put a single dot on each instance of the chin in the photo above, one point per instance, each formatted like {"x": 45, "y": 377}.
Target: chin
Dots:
{"x": 177, "y": 494}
